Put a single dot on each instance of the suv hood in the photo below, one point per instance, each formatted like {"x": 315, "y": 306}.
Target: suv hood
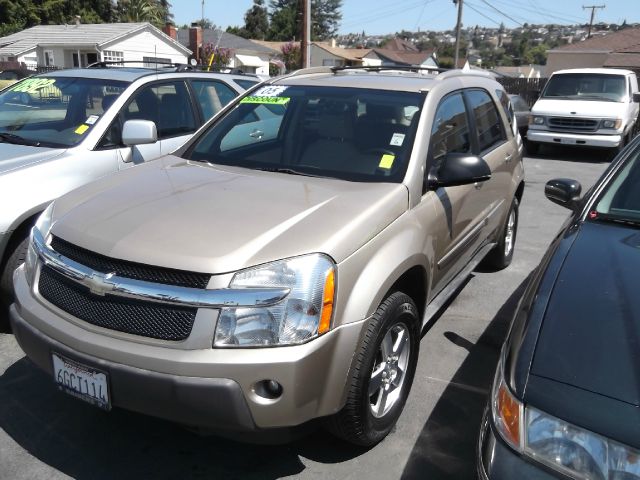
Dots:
{"x": 590, "y": 336}
{"x": 579, "y": 108}
{"x": 213, "y": 219}
{"x": 13, "y": 156}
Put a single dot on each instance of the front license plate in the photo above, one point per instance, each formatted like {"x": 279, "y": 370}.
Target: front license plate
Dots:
{"x": 81, "y": 381}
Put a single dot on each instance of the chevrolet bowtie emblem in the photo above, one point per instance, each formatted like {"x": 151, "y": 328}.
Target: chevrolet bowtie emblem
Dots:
{"x": 100, "y": 284}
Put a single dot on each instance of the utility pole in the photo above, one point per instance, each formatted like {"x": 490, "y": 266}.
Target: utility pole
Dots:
{"x": 458, "y": 28}
{"x": 305, "y": 44}
{"x": 593, "y": 14}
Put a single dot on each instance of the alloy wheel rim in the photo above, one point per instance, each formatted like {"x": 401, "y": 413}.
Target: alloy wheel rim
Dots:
{"x": 510, "y": 233}
{"x": 389, "y": 370}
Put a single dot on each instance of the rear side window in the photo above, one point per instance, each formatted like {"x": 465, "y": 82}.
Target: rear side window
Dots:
{"x": 246, "y": 84}
{"x": 450, "y": 132}
{"x": 488, "y": 124}
{"x": 212, "y": 96}
{"x": 506, "y": 104}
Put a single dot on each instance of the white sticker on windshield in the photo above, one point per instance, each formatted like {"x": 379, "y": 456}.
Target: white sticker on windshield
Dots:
{"x": 397, "y": 140}
{"x": 269, "y": 91}
{"x": 91, "y": 119}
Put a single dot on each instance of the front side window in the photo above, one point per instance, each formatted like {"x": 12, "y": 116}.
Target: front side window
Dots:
{"x": 488, "y": 123}
{"x": 620, "y": 200}
{"x": 587, "y": 86}
{"x": 450, "y": 131}
{"x": 212, "y": 96}
{"x": 346, "y": 133}
{"x": 54, "y": 111}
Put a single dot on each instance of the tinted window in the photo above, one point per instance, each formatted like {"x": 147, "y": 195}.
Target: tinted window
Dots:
{"x": 347, "y": 133}
{"x": 212, "y": 96}
{"x": 506, "y": 103}
{"x": 450, "y": 132}
{"x": 246, "y": 84}
{"x": 487, "y": 119}
{"x": 621, "y": 198}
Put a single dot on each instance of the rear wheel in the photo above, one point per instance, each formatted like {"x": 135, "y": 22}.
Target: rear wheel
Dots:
{"x": 502, "y": 254}
{"x": 382, "y": 375}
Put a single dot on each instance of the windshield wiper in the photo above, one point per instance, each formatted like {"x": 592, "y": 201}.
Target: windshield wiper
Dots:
{"x": 17, "y": 139}
{"x": 289, "y": 171}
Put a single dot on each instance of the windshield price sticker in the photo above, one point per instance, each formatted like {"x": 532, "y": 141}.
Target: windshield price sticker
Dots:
{"x": 397, "y": 140}
{"x": 91, "y": 119}
{"x": 386, "y": 161}
{"x": 270, "y": 91}
{"x": 32, "y": 85}
{"x": 81, "y": 129}
{"x": 266, "y": 100}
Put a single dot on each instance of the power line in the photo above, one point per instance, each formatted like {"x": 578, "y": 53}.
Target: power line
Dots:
{"x": 383, "y": 12}
{"x": 482, "y": 14}
{"x": 501, "y": 12}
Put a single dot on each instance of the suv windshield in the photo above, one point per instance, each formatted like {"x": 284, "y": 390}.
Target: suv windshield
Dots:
{"x": 346, "y": 133}
{"x": 587, "y": 86}
{"x": 54, "y": 111}
{"x": 621, "y": 198}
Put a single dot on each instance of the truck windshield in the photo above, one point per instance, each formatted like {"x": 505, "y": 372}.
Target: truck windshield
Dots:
{"x": 52, "y": 111}
{"x": 352, "y": 134}
{"x": 587, "y": 86}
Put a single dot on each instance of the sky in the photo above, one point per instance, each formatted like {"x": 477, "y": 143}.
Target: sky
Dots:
{"x": 390, "y": 16}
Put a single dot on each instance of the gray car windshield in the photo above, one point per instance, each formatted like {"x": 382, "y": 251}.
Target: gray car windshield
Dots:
{"x": 347, "y": 133}
{"x": 54, "y": 111}
{"x": 621, "y": 199}
{"x": 587, "y": 86}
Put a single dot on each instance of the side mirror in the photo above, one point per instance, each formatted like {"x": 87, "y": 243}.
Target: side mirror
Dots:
{"x": 636, "y": 97}
{"x": 139, "y": 132}
{"x": 563, "y": 191}
{"x": 459, "y": 169}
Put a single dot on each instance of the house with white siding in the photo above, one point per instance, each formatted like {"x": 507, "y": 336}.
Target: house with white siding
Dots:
{"x": 79, "y": 45}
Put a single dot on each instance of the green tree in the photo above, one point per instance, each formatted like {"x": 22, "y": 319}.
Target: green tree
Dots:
{"x": 286, "y": 19}
{"x": 140, "y": 11}
{"x": 256, "y": 21}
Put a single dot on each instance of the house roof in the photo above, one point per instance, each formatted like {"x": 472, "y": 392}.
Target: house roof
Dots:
{"x": 399, "y": 45}
{"x": 275, "y": 46}
{"x": 406, "y": 57}
{"x": 352, "y": 54}
{"x": 84, "y": 34}
{"x": 227, "y": 40}
{"x": 612, "y": 42}
{"x": 623, "y": 60}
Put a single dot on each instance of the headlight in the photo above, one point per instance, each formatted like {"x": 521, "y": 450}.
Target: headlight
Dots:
{"x": 615, "y": 124}
{"x": 536, "y": 120}
{"x": 303, "y": 315}
{"x": 43, "y": 225}
{"x": 569, "y": 449}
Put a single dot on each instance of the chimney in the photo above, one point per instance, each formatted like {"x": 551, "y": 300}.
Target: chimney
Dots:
{"x": 77, "y": 17}
{"x": 333, "y": 43}
{"x": 170, "y": 30}
{"x": 195, "y": 40}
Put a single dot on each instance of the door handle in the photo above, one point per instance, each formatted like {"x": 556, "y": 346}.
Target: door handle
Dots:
{"x": 477, "y": 185}
{"x": 508, "y": 158}
{"x": 257, "y": 134}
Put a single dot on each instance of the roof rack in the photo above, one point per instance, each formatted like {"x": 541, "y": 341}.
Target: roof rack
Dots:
{"x": 379, "y": 68}
{"x": 178, "y": 66}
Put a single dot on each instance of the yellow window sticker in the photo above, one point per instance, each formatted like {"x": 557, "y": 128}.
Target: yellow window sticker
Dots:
{"x": 386, "y": 161}
{"x": 32, "y": 85}
{"x": 266, "y": 100}
{"x": 81, "y": 129}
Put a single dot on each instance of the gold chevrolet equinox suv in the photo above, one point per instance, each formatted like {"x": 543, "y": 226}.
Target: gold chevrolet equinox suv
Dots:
{"x": 279, "y": 267}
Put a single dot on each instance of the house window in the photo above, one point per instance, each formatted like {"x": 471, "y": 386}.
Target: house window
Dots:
{"x": 332, "y": 62}
{"x": 112, "y": 56}
{"x": 154, "y": 61}
{"x": 49, "y": 61}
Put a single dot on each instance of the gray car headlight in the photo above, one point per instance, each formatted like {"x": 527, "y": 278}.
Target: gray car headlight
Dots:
{"x": 42, "y": 225}
{"x": 304, "y": 314}
{"x": 576, "y": 451}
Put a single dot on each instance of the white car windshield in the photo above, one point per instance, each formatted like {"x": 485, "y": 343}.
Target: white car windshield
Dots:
{"x": 52, "y": 111}
{"x": 587, "y": 86}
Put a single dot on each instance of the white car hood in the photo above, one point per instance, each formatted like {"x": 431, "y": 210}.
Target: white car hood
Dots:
{"x": 579, "y": 108}
{"x": 13, "y": 156}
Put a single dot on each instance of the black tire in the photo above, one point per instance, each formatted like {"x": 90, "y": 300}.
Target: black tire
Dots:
{"x": 16, "y": 254}
{"x": 356, "y": 422}
{"x": 501, "y": 255}
{"x": 532, "y": 147}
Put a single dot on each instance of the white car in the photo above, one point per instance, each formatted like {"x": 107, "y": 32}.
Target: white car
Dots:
{"x": 63, "y": 129}
{"x": 591, "y": 107}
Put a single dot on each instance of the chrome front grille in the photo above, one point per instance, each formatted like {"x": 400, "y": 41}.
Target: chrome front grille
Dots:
{"x": 573, "y": 124}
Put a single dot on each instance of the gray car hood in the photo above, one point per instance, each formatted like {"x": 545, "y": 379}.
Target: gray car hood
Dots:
{"x": 198, "y": 217}
{"x": 13, "y": 156}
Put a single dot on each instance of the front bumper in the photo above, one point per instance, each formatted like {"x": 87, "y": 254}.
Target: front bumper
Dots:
{"x": 211, "y": 388}
{"x": 578, "y": 139}
{"x": 496, "y": 461}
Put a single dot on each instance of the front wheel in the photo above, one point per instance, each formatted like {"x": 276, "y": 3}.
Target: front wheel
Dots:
{"x": 502, "y": 254}
{"x": 381, "y": 377}
{"x": 532, "y": 147}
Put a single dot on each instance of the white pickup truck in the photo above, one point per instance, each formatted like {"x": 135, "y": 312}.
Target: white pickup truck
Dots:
{"x": 591, "y": 107}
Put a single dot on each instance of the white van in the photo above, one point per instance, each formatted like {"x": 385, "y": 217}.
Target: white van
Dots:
{"x": 594, "y": 107}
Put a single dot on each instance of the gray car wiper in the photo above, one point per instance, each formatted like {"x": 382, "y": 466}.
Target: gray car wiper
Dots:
{"x": 17, "y": 139}
{"x": 289, "y": 171}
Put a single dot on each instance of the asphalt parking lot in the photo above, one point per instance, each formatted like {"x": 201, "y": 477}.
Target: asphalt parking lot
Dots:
{"x": 47, "y": 435}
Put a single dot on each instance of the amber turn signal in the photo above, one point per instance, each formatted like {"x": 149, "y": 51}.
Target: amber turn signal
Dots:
{"x": 327, "y": 302}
